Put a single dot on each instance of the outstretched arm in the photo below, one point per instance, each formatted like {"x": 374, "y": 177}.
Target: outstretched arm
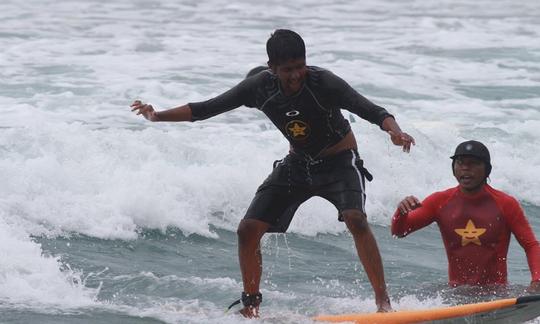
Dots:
{"x": 354, "y": 102}
{"x": 241, "y": 94}
{"x": 178, "y": 114}
{"x": 397, "y": 136}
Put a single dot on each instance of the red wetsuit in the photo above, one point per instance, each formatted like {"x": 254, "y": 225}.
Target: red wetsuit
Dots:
{"x": 476, "y": 233}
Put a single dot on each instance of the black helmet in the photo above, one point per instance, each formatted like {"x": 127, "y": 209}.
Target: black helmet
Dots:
{"x": 475, "y": 149}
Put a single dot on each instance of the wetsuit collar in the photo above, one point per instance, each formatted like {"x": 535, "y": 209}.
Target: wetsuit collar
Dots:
{"x": 472, "y": 195}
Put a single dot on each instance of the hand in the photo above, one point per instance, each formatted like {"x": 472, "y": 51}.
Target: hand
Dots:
{"x": 402, "y": 139}
{"x": 146, "y": 110}
{"x": 534, "y": 287}
{"x": 408, "y": 204}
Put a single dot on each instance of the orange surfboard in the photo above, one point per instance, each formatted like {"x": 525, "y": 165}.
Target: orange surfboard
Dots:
{"x": 511, "y": 310}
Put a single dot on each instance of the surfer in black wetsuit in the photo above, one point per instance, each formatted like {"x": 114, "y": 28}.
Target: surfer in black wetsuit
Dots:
{"x": 304, "y": 102}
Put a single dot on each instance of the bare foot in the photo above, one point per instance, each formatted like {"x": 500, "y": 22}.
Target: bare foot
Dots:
{"x": 384, "y": 306}
{"x": 534, "y": 287}
{"x": 250, "y": 312}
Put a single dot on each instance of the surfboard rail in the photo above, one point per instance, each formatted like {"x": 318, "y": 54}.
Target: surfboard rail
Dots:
{"x": 426, "y": 315}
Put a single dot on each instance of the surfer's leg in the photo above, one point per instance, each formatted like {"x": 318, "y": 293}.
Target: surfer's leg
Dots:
{"x": 368, "y": 252}
{"x": 271, "y": 210}
{"x": 250, "y": 232}
{"x": 346, "y": 191}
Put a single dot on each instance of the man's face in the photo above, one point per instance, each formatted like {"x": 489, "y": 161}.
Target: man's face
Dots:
{"x": 291, "y": 75}
{"x": 470, "y": 172}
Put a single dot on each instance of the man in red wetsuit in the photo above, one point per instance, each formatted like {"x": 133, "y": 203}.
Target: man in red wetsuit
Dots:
{"x": 475, "y": 221}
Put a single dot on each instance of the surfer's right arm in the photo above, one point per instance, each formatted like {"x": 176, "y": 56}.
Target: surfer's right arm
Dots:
{"x": 412, "y": 215}
{"x": 177, "y": 114}
{"x": 241, "y": 94}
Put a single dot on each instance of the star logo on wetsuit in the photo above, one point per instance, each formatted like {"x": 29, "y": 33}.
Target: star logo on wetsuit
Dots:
{"x": 470, "y": 234}
{"x": 297, "y": 129}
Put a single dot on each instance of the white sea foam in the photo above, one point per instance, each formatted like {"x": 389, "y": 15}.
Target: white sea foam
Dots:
{"x": 30, "y": 279}
{"x": 77, "y": 161}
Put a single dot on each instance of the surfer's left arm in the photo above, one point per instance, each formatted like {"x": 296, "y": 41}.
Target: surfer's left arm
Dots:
{"x": 520, "y": 227}
{"x": 354, "y": 102}
{"x": 397, "y": 136}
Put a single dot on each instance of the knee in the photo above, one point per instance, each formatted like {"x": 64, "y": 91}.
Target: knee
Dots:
{"x": 243, "y": 231}
{"x": 355, "y": 220}
{"x": 248, "y": 232}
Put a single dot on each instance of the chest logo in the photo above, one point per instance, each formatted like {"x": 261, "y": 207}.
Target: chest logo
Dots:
{"x": 470, "y": 234}
{"x": 292, "y": 113}
{"x": 297, "y": 129}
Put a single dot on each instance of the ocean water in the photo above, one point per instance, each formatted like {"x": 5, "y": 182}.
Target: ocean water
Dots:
{"x": 108, "y": 218}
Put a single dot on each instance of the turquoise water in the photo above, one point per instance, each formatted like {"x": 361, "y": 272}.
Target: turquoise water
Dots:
{"x": 107, "y": 218}
{"x": 303, "y": 275}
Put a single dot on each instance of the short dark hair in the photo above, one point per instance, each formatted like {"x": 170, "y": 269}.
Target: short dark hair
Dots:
{"x": 284, "y": 45}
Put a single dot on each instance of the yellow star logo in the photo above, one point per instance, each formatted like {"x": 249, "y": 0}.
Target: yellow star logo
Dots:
{"x": 297, "y": 130}
{"x": 470, "y": 234}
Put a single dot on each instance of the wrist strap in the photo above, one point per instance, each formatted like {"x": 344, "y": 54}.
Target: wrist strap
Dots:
{"x": 251, "y": 300}
{"x": 248, "y": 300}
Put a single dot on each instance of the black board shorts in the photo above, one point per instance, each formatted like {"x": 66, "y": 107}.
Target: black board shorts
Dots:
{"x": 339, "y": 178}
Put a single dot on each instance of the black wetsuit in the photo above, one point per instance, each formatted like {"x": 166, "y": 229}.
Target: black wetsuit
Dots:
{"x": 311, "y": 120}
